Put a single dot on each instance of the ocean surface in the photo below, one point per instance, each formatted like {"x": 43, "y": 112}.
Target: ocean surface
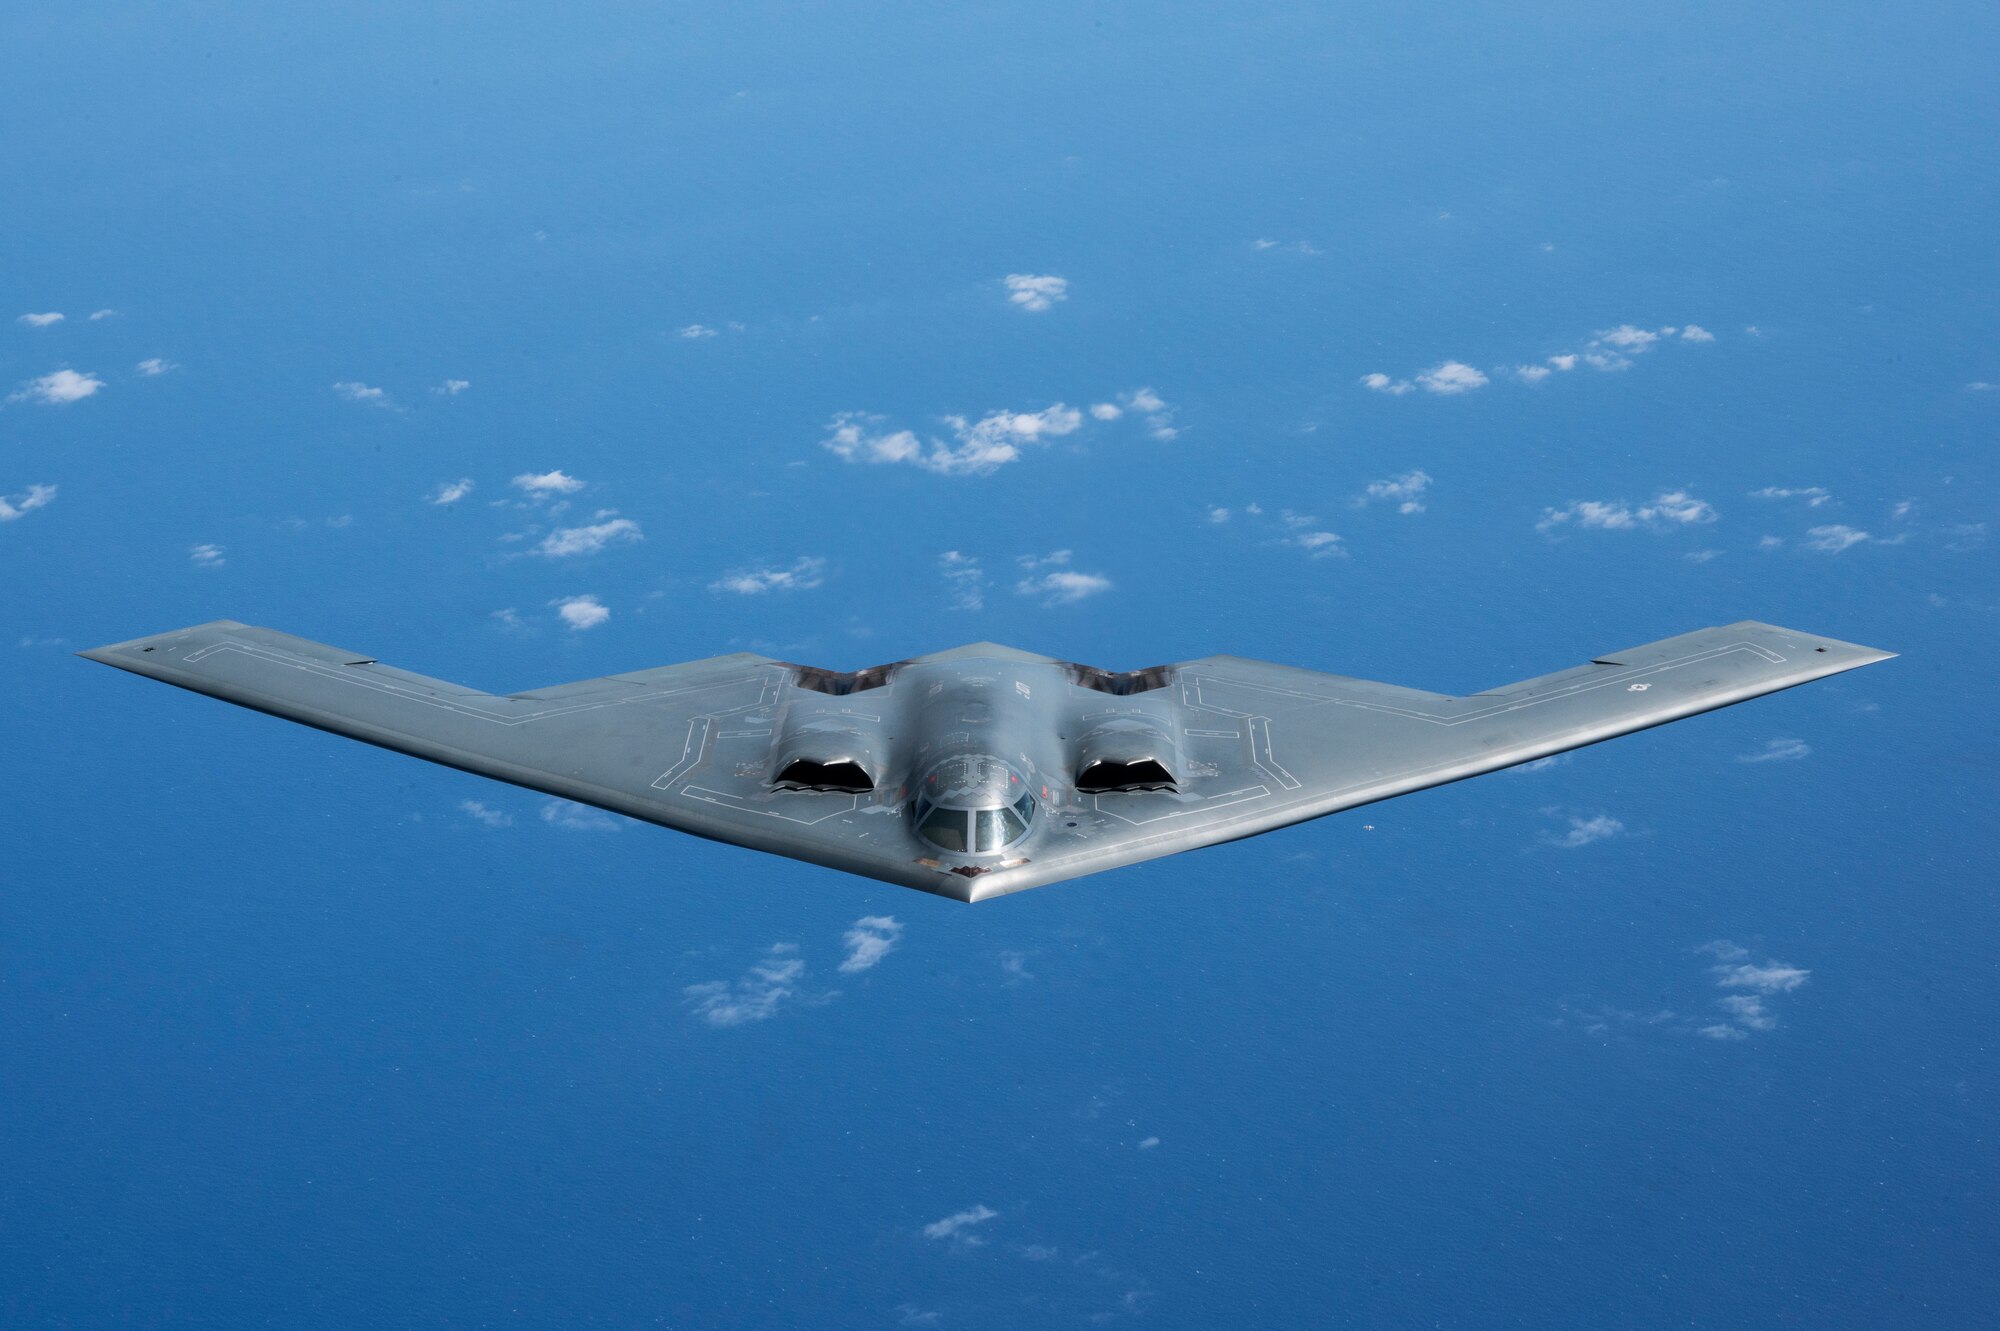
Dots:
{"x": 1447, "y": 345}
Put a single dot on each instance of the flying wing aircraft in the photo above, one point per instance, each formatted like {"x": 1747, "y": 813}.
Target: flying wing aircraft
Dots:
{"x": 983, "y": 770}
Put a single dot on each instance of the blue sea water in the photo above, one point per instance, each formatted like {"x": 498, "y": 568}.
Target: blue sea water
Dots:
{"x": 298, "y": 1033}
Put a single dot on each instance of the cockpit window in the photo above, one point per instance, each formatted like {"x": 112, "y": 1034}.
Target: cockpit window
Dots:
{"x": 975, "y": 831}
{"x": 945, "y": 829}
{"x": 988, "y": 826}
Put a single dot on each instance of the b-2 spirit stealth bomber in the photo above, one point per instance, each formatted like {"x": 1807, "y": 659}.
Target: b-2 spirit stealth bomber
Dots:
{"x": 980, "y": 771}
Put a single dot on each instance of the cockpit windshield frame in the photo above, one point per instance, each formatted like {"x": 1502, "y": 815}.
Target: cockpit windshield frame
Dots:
{"x": 976, "y": 830}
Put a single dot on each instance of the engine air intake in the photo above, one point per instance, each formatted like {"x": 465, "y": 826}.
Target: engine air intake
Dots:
{"x": 837, "y": 777}
{"x": 1102, "y": 778}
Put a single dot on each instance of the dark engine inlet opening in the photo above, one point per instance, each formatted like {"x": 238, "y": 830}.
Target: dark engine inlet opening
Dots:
{"x": 841, "y": 777}
{"x": 1144, "y": 774}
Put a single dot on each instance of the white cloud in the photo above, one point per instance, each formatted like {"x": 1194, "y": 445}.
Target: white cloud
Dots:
{"x": 1773, "y": 977}
{"x": 565, "y": 542}
{"x": 1980, "y": 386}
{"x": 207, "y": 556}
{"x": 954, "y": 1226}
{"x": 966, "y": 579}
{"x": 484, "y": 814}
{"x": 1754, "y": 982}
{"x": 154, "y": 366}
{"x": 1696, "y": 333}
{"x": 1777, "y": 751}
{"x": 1813, "y": 495}
{"x": 547, "y": 484}
{"x": 1051, "y": 578}
{"x": 756, "y": 996}
{"x": 450, "y": 492}
{"x": 20, "y": 505}
{"x": 1669, "y": 509}
{"x": 805, "y": 573}
{"x": 1626, "y": 338}
{"x": 695, "y": 332}
{"x": 1320, "y": 544}
{"x": 452, "y": 387}
{"x": 977, "y": 448}
{"x": 1159, "y": 416}
{"x": 1531, "y": 374}
{"x": 1834, "y": 538}
{"x": 1749, "y": 1012}
{"x": 57, "y": 388}
{"x": 581, "y": 612}
{"x": 1106, "y": 411}
{"x": 569, "y": 816}
{"x": 1564, "y": 362}
{"x": 1405, "y": 491}
{"x": 1149, "y": 1143}
{"x": 1451, "y": 377}
{"x": 355, "y": 391}
{"x": 40, "y": 320}
{"x": 1015, "y": 964}
{"x": 1036, "y": 293}
{"x": 871, "y": 938}
{"x": 95, "y": 315}
{"x": 1382, "y": 383}
{"x": 1588, "y": 831}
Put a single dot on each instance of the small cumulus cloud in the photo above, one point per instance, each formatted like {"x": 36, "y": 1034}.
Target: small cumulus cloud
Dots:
{"x": 1626, "y": 338}
{"x": 96, "y": 315}
{"x": 1669, "y": 510}
{"x": 450, "y": 492}
{"x": 1406, "y": 492}
{"x": 547, "y": 484}
{"x": 1218, "y": 515}
{"x": 965, "y": 578}
{"x": 1036, "y": 292}
{"x": 1319, "y": 544}
{"x": 1835, "y": 537}
{"x": 1751, "y": 985}
{"x": 40, "y": 320}
{"x": 868, "y": 940}
{"x": 976, "y": 448}
{"x": 1812, "y": 496}
{"x": 452, "y": 387}
{"x": 1696, "y": 333}
{"x": 57, "y": 388}
{"x": 1106, "y": 411}
{"x": 1382, "y": 383}
{"x": 1586, "y": 832}
{"x": 485, "y": 815}
{"x": 154, "y": 366}
{"x": 1159, "y": 416}
{"x": 206, "y": 556}
{"x": 352, "y": 390}
{"x": 1451, "y": 377}
{"x": 1777, "y": 751}
{"x": 803, "y": 574}
{"x": 1051, "y": 578}
{"x": 695, "y": 332}
{"x": 956, "y": 1228}
{"x": 756, "y": 995}
{"x": 16, "y": 506}
{"x": 1149, "y": 1143}
{"x": 569, "y": 542}
{"x": 1531, "y": 374}
{"x": 569, "y": 816}
{"x": 581, "y": 612}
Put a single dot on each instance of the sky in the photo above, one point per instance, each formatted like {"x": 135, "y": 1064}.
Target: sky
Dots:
{"x": 1449, "y": 346}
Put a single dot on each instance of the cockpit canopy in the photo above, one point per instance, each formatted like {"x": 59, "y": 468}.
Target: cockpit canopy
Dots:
{"x": 973, "y": 806}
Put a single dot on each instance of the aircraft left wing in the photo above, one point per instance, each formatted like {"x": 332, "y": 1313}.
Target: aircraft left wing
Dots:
{"x": 684, "y": 746}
